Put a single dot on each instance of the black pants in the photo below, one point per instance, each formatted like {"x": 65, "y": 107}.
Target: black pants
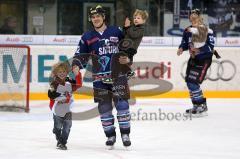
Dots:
{"x": 197, "y": 69}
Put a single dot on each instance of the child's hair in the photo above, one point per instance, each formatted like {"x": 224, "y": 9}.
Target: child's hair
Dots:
{"x": 202, "y": 34}
{"x": 198, "y": 19}
{"x": 142, "y": 13}
{"x": 60, "y": 66}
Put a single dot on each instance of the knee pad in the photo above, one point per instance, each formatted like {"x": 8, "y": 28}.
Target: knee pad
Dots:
{"x": 193, "y": 86}
{"x": 122, "y": 105}
{"x": 104, "y": 107}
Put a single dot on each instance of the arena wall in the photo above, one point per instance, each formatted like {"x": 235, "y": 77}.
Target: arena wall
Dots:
{"x": 159, "y": 71}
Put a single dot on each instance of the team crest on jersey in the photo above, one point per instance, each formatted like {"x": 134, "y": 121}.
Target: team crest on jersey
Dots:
{"x": 104, "y": 60}
{"x": 114, "y": 39}
{"x": 104, "y": 42}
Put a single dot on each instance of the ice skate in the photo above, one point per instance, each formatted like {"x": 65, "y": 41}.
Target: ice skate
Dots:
{"x": 198, "y": 110}
{"x": 126, "y": 140}
{"x": 110, "y": 142}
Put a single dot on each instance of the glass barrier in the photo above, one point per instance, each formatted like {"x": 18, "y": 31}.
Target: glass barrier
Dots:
{"x": 70, "y": 17}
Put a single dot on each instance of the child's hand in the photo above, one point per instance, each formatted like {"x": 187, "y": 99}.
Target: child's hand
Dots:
{"x": 193, "y": 52}
{"x": 127, "y": 22}
{"x": 68, "y": 97}
{"x": 124, "y": 60}
{"x": 75, "y": 70}
{"x": 180, "y": 51}
{"x": 51, "y": 88}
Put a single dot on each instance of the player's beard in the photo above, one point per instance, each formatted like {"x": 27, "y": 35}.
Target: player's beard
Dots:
{"x": 99, "y": 26}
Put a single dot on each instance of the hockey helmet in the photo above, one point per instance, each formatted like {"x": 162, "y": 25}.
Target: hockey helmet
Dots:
{"x": 96, "y": 10}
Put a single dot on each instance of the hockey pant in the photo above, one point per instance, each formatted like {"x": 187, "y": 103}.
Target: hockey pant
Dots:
{"x": 108, "y": 92}
{"x": 197, "y": 69}
{"x": 195, "y": 74}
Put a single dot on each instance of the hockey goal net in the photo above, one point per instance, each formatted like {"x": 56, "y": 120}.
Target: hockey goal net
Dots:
{"x": 14, "y": 77}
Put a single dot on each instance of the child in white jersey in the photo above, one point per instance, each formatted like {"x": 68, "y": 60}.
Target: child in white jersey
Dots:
{"x": 60, "y": 94}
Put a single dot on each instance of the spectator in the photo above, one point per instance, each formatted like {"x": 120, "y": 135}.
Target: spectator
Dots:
{"x": 9, "y": 25}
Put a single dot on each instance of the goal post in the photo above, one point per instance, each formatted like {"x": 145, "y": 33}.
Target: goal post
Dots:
{"x": 14, "y": 77}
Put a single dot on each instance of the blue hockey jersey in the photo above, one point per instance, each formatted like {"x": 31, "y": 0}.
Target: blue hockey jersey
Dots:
{"x": 206, "y": 50}
{"x": 101, "y": 46}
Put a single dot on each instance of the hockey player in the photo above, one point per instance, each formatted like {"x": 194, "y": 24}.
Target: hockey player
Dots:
{"x": 199, "y": 40}
{"x": 60, "y": 94}
{"x": 101, "y": 44}
{"x": 133, "y": 34}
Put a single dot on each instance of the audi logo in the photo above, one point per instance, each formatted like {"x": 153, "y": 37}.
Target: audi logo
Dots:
{"x": 219, "y": 70}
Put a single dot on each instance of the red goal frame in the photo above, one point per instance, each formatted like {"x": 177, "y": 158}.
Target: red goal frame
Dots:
{"x": 27, "y": 109}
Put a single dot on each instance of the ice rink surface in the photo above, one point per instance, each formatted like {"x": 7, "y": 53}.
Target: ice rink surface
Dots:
{"x": 155, "y": 133}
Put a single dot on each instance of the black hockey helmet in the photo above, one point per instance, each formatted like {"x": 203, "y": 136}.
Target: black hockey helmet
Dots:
{"x": 195, "y": 11}
{"x": 96, "y": 10}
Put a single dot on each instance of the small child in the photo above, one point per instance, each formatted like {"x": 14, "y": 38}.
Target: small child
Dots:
{"x": 199, "y": 34}
{"x": 61, "y": 100}
{"x": 133, "y": 35}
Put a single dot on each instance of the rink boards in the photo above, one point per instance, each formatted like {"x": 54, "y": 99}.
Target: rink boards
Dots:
{"x": 159, "y": 72}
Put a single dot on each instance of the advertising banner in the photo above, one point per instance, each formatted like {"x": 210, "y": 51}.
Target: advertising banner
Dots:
{"x": 159, "y": 71}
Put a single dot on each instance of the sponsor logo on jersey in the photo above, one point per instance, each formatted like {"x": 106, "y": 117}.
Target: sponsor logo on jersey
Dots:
{"x": 108, "y": 50}
{"x": 114, "y": 39}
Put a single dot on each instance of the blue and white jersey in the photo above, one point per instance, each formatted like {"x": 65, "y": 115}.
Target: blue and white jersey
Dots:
{"x": 101, "y": 46}
{"x": 205, "y": 51}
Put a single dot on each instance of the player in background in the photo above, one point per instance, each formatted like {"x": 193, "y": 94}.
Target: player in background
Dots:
{"x": 61, "y": 100}
{"x": 199, "y": 40}
{"x": 133, "y": 34}
{"x": 101, "y": 44}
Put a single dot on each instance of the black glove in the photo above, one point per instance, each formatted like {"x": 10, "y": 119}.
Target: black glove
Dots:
{"x": 52, "y": 94}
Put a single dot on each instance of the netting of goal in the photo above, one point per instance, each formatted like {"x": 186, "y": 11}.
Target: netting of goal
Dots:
{"x": 14, "y": 77}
